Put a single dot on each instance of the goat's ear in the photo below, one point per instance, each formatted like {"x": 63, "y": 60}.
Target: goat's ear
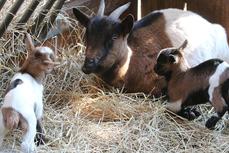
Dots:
{"x": 127, "y": 25}
{"x": 81, "y": 17}
{"x": 183, "y": 46}
{"x": 172, "y": 59}
{"x": 29, "y": 43}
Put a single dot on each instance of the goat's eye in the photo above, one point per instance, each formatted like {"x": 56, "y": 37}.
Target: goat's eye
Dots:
{"x": 38, "y": 54}
{"x": 52, "y": 57}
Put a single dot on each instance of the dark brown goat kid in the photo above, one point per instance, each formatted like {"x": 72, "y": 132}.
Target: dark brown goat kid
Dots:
{"x": 208, "y": 81}
{"x": 123, "y": 53}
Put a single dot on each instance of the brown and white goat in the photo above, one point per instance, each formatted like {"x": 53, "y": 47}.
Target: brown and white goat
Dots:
{"x": 22, "y": 106}
{"x": 123, "y": 53}
{"x": 206, "y": 82}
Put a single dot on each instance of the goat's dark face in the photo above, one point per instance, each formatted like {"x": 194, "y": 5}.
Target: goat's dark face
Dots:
{"x": 106, "y": 37}
{"x": 100, "y": 36}
{"x": 168, "y": 58}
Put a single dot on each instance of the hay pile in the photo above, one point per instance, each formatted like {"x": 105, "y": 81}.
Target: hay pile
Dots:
{"x": 84, "y": 115}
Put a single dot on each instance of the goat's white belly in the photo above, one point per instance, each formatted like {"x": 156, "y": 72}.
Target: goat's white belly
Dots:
{"x": 24, "y": 97}
{"x": 205, "y": 40}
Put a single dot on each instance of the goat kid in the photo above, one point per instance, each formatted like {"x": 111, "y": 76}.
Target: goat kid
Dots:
{"x": 208, "y": 81}
{"x": 123, "y": 52}
{"x": 22, "y": 106}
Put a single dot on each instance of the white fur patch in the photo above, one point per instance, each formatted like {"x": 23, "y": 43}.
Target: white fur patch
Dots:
{"x": 23, "y": 99}
{"x": 214, "y": 80}
{"x": 174, "y": 106}
{"x": 123, "y": 70}
{"x": 45, "y": 50}
{"x": 205, "y": 40}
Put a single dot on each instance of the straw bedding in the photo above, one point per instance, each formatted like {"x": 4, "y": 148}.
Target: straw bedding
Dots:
{"x": 83, "y": 114}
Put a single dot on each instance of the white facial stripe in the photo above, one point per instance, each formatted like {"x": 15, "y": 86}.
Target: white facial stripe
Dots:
{"x": 214, "y": 80}
{"x": 174, "y": 106}
{"x": 45, "y": 50}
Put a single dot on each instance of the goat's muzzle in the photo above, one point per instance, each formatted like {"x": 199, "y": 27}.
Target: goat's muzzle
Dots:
{"x": 90, "y": 66}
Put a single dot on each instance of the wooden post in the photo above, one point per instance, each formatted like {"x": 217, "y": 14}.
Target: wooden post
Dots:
{"x": 10, "y": 15}
{"x": 52, "y": 18}
{"x": 29, "y": 11}
{"x": 41, "y": 16}
{"x": 2, "y": 2}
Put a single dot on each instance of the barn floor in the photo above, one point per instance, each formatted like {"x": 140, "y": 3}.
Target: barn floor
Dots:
{"x": 82, "y": 114}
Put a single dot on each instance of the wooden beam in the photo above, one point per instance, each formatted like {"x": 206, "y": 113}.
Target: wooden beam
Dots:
{"x": 9, "y": 16}
{"x": 41, "y": 16}
{"x": 2, "y": 2}
{"x": 29, "y": 11}
{"x": 55, "y": 11}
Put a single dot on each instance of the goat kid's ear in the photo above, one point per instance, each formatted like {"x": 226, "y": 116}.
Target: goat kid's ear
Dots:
{"x": 172, "y": 59}
{"x": 29, "y": 43}
{"x": 183, "y": 46}
{"x": 127, "y": 25}
{"x": 81, "y": 17}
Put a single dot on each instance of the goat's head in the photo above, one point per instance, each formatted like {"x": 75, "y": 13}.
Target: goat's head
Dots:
{"x": 39, "y": 58}
{"x": 168, "y": 58}
{"x": 105, "y": 37}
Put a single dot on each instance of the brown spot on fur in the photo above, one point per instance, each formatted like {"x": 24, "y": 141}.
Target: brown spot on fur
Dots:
{"x": 13, "y": 119}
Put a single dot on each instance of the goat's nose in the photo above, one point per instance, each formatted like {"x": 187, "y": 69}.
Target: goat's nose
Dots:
{"x": 89, "y": 62}
{"x": 89, "y": 66}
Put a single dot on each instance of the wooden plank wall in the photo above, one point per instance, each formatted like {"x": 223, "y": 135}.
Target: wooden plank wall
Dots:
{"x": 216, "y": 11}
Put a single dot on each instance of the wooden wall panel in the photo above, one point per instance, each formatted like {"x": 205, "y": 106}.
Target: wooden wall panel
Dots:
{"x": 216, "y": 11}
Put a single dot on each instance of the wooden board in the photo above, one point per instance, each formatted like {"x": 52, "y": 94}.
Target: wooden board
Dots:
{"x": 215, "y": 11}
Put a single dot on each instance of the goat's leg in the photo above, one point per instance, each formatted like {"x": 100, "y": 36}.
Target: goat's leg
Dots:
{"x": 2, "y": 128}
{"x": 189, "y": 113}
{"x": 211, "y": 122}
{"x": 40, "y": 138}
{"x": 219, "y": 105}
{"x": 28, "y": 144}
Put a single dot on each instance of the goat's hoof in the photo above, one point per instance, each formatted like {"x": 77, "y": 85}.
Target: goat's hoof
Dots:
{"x": 40, "y": 139}
{"x": 211, "y": 122}
{"x": 189, "y": 113}
{"x": 28, "y": 147}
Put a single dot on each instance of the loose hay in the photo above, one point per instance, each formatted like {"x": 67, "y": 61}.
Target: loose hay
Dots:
{"x": 82, "y": 114}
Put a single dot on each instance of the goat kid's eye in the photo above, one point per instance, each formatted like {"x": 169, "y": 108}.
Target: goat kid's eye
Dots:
{"x": 37, "y": 55}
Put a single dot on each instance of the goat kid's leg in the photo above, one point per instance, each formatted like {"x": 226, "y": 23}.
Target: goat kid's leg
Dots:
{"x": 211, "y": 122}
{"x": 28, "y": 144}
{"x": 2, "y": 128}
{"x": 220, "y": 106}
{"x": 40, "y": 138}
{"x": 189, "y": 113}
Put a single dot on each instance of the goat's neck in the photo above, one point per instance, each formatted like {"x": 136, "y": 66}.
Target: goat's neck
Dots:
{"x": 37, "y": 74}
{"x": 179, "y": 70}
{"x": 124, "y": 62}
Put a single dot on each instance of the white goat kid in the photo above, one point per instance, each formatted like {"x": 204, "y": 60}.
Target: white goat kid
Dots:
{"x": 23, "y": 106}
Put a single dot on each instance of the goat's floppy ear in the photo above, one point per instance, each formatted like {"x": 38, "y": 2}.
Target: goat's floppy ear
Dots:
{"x": 127, "y": 25}
{"x": 29, "y": 43}
{"x": 81, "y": 17}
{"x": 183, "y": 46}
{"x": 172, "y": 59}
